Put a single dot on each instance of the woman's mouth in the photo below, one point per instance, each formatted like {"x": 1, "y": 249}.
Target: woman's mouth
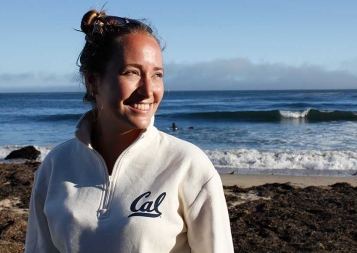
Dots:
{"x": 142, "y": 107}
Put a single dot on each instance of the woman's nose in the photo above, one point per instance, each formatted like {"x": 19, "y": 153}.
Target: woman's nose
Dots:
{"x": 146, "y": 86}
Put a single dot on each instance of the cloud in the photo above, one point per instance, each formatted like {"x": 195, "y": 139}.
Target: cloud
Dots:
{"x": 219, "y": 74}
{"x": 241, "y": 73}
{"x": 38, "y": 82}
{"x": 350, "y": 65}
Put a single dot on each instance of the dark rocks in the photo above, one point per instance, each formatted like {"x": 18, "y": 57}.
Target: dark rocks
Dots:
{"x": 16, "y": 182}
{"x": 28, "y": 152}
{"x": 311, "y": 219}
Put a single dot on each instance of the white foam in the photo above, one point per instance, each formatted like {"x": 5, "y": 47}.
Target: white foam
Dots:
{"x": 257, "y": 161}
{"x": 254, "y": 161}
{"x": 294, "y": 114}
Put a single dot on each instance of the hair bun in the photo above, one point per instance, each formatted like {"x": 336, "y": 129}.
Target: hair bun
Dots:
{"x": 89, "y": 19}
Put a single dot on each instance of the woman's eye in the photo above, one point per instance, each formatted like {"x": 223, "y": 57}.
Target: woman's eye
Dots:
{"x": 131, "y": 72}
{"x": 159, "y": 75}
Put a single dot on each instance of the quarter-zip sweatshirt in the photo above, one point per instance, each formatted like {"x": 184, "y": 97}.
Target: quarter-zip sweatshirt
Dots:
{"x": 164, "y": 195}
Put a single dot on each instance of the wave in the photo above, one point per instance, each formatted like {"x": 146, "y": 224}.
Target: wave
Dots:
{"x": 55, "y": 117}
{"x": 298, "y": 162}
{"x": 251, "y": 161}
{"x": 309, "y": 115}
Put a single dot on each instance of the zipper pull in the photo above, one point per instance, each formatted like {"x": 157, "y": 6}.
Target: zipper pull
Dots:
{"x": 109, "y": 181}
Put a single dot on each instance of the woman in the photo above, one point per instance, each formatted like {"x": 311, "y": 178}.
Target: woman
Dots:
{"x": 121, "y": 185}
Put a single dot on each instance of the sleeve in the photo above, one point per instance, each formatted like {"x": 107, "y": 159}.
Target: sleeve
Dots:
{"x": 38, "y": 237}
{"x": 208, "y": 220}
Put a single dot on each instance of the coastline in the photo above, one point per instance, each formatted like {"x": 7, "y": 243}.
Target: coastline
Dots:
{"x": 249, "y": 180}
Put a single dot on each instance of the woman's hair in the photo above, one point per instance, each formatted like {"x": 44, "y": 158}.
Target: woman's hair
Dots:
{"x": 103, "y": 34}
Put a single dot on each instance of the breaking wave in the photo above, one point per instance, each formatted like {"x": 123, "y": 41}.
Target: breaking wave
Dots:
{"x": 311, "y": 115}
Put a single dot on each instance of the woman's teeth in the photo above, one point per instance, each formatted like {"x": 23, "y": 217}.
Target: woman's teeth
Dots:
{"x": 141, "y": 106}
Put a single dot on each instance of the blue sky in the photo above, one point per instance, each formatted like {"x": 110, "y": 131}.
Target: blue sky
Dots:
{"x": 210, "y": 45}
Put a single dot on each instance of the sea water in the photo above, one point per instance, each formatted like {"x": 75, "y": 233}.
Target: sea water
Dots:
{"x": 300, "y": 132}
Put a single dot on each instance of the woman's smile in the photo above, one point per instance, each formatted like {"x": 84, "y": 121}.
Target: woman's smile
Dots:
{"x": 132, "y": 86}
{"x": 142, "y": 107}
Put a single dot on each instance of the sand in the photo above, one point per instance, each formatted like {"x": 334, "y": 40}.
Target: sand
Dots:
{"x": 244, "y": 180}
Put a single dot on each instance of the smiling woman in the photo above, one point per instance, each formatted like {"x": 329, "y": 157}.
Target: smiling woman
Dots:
{"x": 121, "y": 185}
{"x": 128, "y": 94}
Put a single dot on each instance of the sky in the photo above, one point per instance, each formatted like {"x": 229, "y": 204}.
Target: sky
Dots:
{"x": 210, "y": 45}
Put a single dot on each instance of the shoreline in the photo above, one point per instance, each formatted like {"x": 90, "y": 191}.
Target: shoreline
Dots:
{"x": 249, "y": 180}
{"x": 246, "y": 180}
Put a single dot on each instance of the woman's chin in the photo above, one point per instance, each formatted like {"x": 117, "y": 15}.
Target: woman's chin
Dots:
{"x": 141, "y": 123}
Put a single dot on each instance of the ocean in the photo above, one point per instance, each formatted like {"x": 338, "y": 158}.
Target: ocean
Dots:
{"x": 297, "y": 132}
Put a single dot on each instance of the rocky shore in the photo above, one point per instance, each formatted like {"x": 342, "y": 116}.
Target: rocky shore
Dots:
{"x": 267, "y": 218}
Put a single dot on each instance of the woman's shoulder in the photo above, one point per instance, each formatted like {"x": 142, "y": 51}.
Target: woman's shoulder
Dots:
{"x": 190, "y": 162}
{"x": 58, "y": 157}
{"x": 180, "y": 146}
{"x": 195, "y": 159}
{"x": 63, "y": 148}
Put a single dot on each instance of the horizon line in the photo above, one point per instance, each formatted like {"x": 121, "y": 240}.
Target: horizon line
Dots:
{"x": 166, "y": 91}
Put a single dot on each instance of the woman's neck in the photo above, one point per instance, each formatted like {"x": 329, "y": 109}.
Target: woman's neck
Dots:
{"x": 110, "y": 142}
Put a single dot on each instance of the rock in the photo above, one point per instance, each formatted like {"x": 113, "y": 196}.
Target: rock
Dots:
{"x": 28, "y": 152}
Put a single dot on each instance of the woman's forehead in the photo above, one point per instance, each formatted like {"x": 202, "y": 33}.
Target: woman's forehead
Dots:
{"x": 136, "y": 50}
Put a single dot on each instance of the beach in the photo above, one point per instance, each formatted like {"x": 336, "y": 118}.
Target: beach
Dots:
{"x": 244, "y": 180}
{"x": 268, "y": 213}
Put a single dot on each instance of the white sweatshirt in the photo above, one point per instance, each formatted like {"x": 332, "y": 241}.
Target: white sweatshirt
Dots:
{"x": 164, "y": 195}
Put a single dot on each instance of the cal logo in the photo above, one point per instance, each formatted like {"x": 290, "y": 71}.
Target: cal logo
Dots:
{"x": 150, "y": 209}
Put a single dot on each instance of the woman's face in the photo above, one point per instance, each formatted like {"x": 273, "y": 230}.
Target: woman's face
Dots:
{"x": 131, "y": 88}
